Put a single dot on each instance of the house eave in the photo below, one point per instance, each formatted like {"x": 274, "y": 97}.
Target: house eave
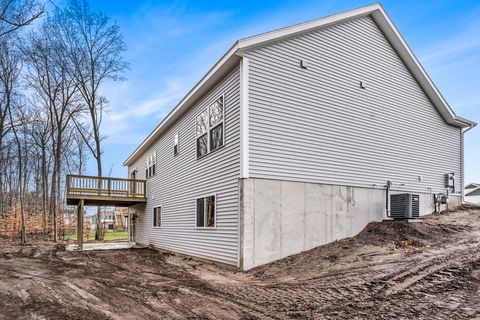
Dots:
{"x": 465, "y": 123}
{"x": 233, "y": 55}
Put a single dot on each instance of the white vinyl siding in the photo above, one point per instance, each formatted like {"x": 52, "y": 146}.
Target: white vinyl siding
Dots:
{"x": 318, "y": 125}
{"x": 181, "y": 179}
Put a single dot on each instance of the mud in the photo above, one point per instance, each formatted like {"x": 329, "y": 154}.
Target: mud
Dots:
{"x": 391, "y": 270}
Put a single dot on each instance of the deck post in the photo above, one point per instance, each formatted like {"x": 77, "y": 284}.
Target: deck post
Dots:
{"x": 80, "y": 225}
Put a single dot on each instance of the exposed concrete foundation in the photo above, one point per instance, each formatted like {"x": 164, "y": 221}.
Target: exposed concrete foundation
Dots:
{"x": 281, "y": 218}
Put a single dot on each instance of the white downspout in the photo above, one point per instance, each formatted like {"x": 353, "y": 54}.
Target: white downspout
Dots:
{"x": 462, "y": 159}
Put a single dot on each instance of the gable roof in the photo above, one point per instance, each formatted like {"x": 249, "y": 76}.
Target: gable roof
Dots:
{"x": 232, "y": 57}
{"x": 474, "y": 192}
{"x": 473, "y": 186}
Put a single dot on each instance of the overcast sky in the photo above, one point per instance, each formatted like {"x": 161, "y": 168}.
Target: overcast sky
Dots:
{"x": 172, "y": 44}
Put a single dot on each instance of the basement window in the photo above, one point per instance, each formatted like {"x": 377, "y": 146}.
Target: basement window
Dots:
{"x": 206, "y": 212}
{"x": 210, "y": 128}
{"x": 151, "y": 165}
{"x": 157, "y": 216}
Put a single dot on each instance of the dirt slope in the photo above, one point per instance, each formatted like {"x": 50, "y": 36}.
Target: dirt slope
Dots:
{"x": 428, "y": 270}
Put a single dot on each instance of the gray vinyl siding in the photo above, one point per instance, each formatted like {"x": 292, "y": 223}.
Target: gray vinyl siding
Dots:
{"x": 182, "y": 178}
{"x": 318, "y": 125}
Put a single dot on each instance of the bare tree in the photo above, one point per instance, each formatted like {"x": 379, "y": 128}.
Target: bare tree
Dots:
{"x": 5, "y": 100}
{"x": 9, "y": 74}
{"x": 48, "y": 75}
{"x": 94, "y": 47}
{"x": 76, "y": 152}
{"x": 41, "y": 133}
{"x": 15, "y": 14}
{"x": 67, "y": 58}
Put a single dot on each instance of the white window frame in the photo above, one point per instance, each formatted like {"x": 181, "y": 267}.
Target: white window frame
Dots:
{"x": 153, "y": 217}
{"x": 176, "y": 142}
{"x": 222, "y": 96}
{"x": 204, "y": 212}
{"x": 149, "y": 163}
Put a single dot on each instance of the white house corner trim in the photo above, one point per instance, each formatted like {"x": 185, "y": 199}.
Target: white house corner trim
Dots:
{"x": 244, "y": 115}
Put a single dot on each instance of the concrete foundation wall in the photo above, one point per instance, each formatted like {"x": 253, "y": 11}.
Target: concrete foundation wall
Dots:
{"x": 281, "y": 218}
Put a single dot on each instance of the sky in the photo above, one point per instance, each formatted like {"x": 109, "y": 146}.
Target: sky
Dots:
{"x": 172, "y": 44}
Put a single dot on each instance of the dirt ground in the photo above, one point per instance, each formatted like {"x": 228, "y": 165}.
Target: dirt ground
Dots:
{"x": 392, "y": 270}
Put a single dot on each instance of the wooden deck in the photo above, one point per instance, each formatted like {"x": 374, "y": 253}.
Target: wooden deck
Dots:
{"x": 105, "y": 191}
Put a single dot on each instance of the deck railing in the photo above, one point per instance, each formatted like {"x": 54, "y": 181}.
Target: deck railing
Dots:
{"x": 105, "y": 187}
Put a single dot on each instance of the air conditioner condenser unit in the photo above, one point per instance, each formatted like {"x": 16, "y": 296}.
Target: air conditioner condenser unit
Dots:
{"x": 404, "y": 206}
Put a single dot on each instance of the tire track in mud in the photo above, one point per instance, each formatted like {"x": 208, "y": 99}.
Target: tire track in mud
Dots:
{"x": 410, "y": 281}
{"x": 438, "y": 277}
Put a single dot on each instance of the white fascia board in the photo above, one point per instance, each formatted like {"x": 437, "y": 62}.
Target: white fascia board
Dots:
{"x": 166, "y": 121}
{"x": 309, "y": 26}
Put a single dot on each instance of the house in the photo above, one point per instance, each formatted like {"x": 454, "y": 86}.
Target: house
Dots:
{"x": 289, "y": 140}
{"x": 472, "y": 193}
{"x": 114, "y": 219}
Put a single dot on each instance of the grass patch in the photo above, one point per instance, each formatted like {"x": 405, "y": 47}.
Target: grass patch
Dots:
{"x": 108, "y": 235}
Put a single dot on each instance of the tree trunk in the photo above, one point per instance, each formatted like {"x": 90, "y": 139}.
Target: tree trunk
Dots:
{"x": 99, "y": 230}
{"x": 53, "y": 207}
{"x": 44, "y": 187}
{"x": 56, "y": 185}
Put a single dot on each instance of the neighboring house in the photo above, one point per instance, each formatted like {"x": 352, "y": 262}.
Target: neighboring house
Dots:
{"x": 106, "y": 219}
{"x": 116, "y": 219}
{"x": 472, "y": 193}
{"x": 288, "y": 142}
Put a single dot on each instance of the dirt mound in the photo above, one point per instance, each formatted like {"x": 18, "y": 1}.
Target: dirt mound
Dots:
{"x": 418, "y": 233}
{"x": 381, "y": 233}
{"x": 427, "y": 270}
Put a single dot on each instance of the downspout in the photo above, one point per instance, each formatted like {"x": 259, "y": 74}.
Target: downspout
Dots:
{"x": 462, "y": 159}
{"x": 387, "y": 195}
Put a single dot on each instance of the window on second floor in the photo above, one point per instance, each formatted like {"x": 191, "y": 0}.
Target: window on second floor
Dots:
{"x": 151, "y": 164}
{"x": 175, "y": 145}
{"x": 210, "y": 128}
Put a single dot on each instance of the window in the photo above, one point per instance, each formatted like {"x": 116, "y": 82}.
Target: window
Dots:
{"x": 175, "y": 145}
{"x": 216, "y": 124}
{"x": 157, "y": 216}
{"x": 151, "y": 164}
{"x": 201, "y": 129}
{"x": 206, "y": 212}
{"x": 209, "y": 128}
